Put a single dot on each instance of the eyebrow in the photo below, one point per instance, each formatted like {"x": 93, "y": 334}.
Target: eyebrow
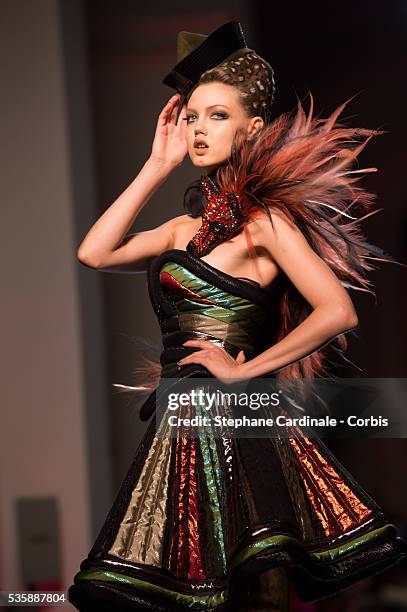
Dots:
{"x": 208, "y": 107}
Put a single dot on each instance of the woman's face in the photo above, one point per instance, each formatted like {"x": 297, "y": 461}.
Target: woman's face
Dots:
{"x": 214, "y": 113}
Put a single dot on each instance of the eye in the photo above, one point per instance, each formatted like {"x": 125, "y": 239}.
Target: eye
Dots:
{"x": 222, "y": 115}
{"x": 190, "y": 117}
{"x": 219, "y": 114}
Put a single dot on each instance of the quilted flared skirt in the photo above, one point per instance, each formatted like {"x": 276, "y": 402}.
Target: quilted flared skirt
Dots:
{"x": 197, "y": 517}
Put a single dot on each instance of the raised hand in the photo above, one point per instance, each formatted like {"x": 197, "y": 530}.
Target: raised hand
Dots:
{"x": 170, "y": 146}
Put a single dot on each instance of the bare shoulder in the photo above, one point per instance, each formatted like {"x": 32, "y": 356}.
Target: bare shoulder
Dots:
{"x": 175, "y": 222}
{"x": 274, "y": 231}
{"x": 179, "y": 222}
{"x": 174, "y": 226}
{"x": 182, "y": 220}
{"x": 183, "y": 228}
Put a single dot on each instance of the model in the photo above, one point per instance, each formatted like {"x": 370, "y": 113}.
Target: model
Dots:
{"x": 251, "y": 282}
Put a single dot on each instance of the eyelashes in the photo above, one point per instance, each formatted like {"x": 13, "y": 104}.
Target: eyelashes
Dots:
{"x": 221, "y": 114}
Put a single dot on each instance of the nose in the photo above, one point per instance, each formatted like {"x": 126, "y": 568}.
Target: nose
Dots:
{"x": 199, "y": 130}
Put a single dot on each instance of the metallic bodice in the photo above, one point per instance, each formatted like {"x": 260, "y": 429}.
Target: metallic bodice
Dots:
{"x": 194, "y": 300}
{"x": 206, "y": 309}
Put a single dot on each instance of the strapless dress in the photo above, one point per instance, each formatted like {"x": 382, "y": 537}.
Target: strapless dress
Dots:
{"x": 196, "y": 518}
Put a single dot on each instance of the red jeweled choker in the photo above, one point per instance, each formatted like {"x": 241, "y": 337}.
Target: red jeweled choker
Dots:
{"x": 221, "y": 219}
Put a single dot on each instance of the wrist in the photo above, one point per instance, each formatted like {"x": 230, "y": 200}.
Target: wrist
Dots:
{"x": 252, "y": 369}
{"x": 243, "y": 371}
{"x": 160, "y": 166}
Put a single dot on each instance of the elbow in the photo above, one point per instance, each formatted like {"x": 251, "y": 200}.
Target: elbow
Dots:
{"x": 346, "y": 318}
{"x": 86, "y": 259}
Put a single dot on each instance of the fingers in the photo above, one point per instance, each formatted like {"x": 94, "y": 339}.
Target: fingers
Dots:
{"x": 182, "y": 121}
{"x": 174, "y": 112}
{"x": 168, "y": 108}
{"x": 183, "y": 112}
{"x": 199, "y": 343}
{"x": 197, "y": 357}
{"x": 178, "y": 114}
{"x": 168, "y": 115}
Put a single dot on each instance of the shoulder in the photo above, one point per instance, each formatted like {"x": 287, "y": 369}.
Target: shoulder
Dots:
{"x": 184, "y": 223}
{"x": 182, "y": 228}
{"x": 274, "y": 230}
{"x": 176, "y": 223}
{"x": 181, "y": 220}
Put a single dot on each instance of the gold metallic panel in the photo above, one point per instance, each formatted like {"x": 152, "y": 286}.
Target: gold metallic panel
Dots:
{"x": 225, "y": 331}
{"x": 140, "y": 535}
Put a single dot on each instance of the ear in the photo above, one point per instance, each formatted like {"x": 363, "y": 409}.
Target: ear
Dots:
{"x": 255, "y": 124}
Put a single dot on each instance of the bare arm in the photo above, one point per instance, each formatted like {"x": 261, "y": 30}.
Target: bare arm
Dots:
{"x": 333, "y": 311}
{"x": 106, "y": 245}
